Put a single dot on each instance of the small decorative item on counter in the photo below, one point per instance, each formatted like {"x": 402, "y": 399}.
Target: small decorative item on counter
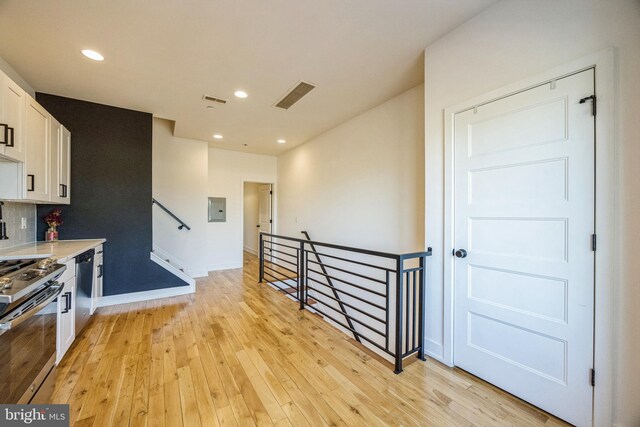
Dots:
{"x": 53, "y": 220}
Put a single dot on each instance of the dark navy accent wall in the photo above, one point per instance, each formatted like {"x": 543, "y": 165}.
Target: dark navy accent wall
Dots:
{"x": 110, "y": 190}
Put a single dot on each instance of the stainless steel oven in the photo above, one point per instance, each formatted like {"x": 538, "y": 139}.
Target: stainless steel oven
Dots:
{"x": 28, "y": 326}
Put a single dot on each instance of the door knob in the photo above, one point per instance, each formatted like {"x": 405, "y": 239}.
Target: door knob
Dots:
{"x": 460, "y": 253}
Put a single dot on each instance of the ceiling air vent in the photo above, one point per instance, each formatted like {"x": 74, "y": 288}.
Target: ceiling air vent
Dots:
{"x": 295, "y": 94}
{"x": 213, "y": 99}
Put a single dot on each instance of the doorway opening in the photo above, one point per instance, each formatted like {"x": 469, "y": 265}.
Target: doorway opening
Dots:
{"x": 257, "y": 214}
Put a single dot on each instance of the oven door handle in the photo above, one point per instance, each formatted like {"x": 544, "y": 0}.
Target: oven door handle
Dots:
{"x": 55, "y": 290}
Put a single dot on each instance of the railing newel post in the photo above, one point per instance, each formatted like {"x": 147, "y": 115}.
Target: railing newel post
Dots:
{"x": 301, "y": 275}
{"x": 261, "y": 258}
{"x": 399, "y": 299}
{"x": 422, "y": 312}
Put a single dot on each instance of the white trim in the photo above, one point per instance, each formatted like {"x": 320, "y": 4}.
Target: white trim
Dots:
{"x": 174, "y": 261}
{"x": 200, "y": 273}
{"x": 172, "y": 269}
{"x": 145, "y": 295}
{"x": 250, "y": 250}
{"x": 605, "y": 207}
{"x": 227, "y": 266}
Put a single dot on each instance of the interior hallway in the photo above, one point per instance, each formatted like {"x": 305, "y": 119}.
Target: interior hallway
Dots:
{"x": 239, "y": 353}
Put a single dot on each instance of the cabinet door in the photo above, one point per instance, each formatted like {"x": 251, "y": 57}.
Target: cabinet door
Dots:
{"x": 66, "y": 318}
{"x": 65, "y": 166}
{"x": 37, "y": 185}
{"x": 12, "y": 118}
{"x": 55, "y": 142}
{"x": 98, "y": 273}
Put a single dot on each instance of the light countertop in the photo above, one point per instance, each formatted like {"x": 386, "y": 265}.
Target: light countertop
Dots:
{"x": 63, "y": 250}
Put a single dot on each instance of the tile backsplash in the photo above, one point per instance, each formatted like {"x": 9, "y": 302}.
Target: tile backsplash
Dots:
{"x": 12, "y": 214}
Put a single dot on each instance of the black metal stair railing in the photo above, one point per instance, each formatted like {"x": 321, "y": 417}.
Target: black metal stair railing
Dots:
{"x": 171, "y": 214}
{"x": 376, "y": 296}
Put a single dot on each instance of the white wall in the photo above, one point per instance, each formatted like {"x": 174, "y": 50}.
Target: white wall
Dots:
{"x": 362, "y": 183}
{"x": 180, "y": 173}
{"x": 514, "y": 40}
{"x": 228, "y": 171}
{"x": 17, "y": 78}
{"x": 251, "y": 216}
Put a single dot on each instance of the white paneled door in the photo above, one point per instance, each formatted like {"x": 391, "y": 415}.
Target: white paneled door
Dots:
{"x": 523, "y": 226}
{"x": 264, "y": 212}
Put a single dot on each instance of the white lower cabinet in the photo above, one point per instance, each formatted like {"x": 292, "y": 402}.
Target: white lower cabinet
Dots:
{"x": 98, "y": 274}
{"x": 66, "y": 316}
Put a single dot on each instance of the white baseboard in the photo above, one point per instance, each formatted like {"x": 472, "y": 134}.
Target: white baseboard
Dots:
{"x": 228, "y": 266}
{"x": 435, "y": 350}
{"x": 145, "y": 295}
{"x": 251, "y": 251}
{"x": 175, "y": 262}
{"x": 200, "y": 273}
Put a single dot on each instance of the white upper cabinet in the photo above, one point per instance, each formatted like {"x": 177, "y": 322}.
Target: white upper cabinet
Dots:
{"x": 35, "y": 149}
{"x": 65, "y": 166}
{"x": 60, "y": 153}
{"x": 12, "y": 118}
{"x": 37, "y": 163}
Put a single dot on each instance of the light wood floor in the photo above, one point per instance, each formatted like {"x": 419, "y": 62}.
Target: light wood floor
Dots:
{"x": 240, "y": 353}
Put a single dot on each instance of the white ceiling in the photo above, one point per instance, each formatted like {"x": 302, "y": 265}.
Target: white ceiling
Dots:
{"x": 161, "y": 56}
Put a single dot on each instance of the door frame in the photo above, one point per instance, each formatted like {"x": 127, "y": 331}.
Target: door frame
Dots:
{"x": 605, "y": 214}
{"x": 273, "y": 204}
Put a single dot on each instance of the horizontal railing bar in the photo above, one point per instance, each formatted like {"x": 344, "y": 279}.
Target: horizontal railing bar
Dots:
{"x": 350, "y": 306}
{"x": 412, "y": 255}
{"x": 410, "y": 352}
{"x": 283, "y": 260}
{"x": 346, "y": 293}
{"x": 359, "y": 334}
{"x": 293, "y": 295}
{"x": 358, "y": 262}
{"x": 280, "y": 244}
{"x": 411, "y": 270}
{"x": 282, "y": 274}
{"x": 280, "y": 266}
{"x": 284, "y": 291}
{"x": 280, "y": 280}
{"x": 339, "y": 247}
{"x": 355, "y": 319}
{"x": 349, "y": 272}
{"x": 284, "y": 253}
{"x": 349, "y": 283}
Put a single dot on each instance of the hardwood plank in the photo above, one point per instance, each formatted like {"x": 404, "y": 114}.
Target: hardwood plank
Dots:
{"x": 241, "y": 353}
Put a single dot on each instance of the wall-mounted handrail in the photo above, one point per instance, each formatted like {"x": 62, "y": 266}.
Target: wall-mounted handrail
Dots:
{"x": 385, "y": 292}
{"x": 161, "y": 206}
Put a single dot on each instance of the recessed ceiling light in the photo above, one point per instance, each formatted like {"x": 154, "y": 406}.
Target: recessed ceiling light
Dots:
{"x": 282, "y": 141}
{"x": 92, "y": 54}
{"x": 217, "y": 136}
{"x": 240, "y": 94}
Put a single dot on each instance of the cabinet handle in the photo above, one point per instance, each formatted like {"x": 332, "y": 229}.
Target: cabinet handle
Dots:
{"x": 6, "y": 133}
{"x": 67, "y": 302}
{"x": 33, "y": 182}
{"x": 9, "y": 141}
{"x": 101, "y": 271}
{"x": 66, "y": 194}
{"x": 61, "y": 194}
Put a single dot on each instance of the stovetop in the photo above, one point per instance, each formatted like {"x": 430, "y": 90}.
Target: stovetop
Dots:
{"x": 19, "y": 278}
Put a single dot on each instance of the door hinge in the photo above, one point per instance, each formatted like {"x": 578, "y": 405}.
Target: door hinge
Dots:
{"x": 270, "y": 192}
{"x": 593, "y": 377}
{"x": 593, "y": 103}
{"x": 594, "y": 242}
{"x": 270, "y": 221}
